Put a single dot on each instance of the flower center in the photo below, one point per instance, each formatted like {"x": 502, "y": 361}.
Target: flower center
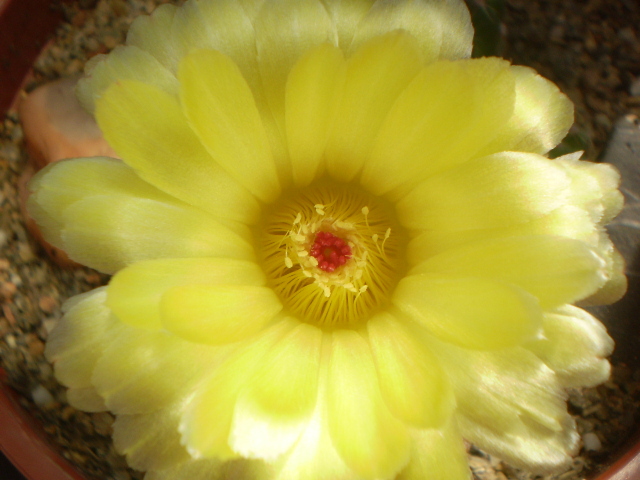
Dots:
{"x": 332, "y": 253}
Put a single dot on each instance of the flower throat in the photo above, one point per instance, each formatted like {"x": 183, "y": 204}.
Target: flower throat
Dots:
{"x": 332, "y": 253}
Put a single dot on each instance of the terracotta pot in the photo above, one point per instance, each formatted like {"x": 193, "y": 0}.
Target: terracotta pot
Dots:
{"x": 25, "y": 27}
{"x": 24, "y": 442}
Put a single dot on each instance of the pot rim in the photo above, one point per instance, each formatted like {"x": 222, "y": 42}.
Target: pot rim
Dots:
{"x": 24, "y": 442}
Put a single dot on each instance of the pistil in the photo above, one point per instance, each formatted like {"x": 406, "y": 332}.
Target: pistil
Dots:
{"x": 330, "y": 251}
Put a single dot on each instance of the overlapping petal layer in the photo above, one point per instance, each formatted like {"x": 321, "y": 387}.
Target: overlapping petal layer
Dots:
{"x": 556, "y": 270}
{"x": 412, "y": 382}
{"x": 134, "y": 293}
{"x": 223, "y": 111}
{"x": 473, "y": 312}
{"x": 511, "y": 404}
{"x": 582, "y": 362}
{"x": 440, "y": 120}
{"x": 105, "y": 216}
{"x": 167, "y": 153}
{"x": 375, "y": 76}
{"x": 366, "y": 435}
{"x": 76, "y": 345}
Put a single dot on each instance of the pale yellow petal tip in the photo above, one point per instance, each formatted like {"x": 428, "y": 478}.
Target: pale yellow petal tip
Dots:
{"x": 582, "y": 362}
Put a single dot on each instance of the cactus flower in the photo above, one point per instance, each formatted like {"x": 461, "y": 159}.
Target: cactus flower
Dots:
{"x": 338, "y": 248}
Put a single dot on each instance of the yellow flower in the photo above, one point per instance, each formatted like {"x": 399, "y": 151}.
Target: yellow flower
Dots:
{"x": 338, "y": 248}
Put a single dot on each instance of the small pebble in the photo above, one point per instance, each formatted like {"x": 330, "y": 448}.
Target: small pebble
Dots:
{"x": 121, "y": 475}
{"x": 15, "y": 278}
{"x": 47, "y": 304}
{"x": 591, "y": 442}
{"x": 11, "y": 341}
{"x": 67, "y": 412}
{"x": 8, "y": 290}
{"x": 49, "y": 323}
{"x": 45, "y": 369}
{"x": 42, "y": 397}
{"x": 110, "y": 42}
{"x": 25, "y": 252}
{"x": 602, "y": 120}
{"x": 635, "y": 87}
{"x": 628, "y": 35}
{"x": 102, "y": 423}
{"x": 10, "y": 151}
{"x": 4, "y": 327}
{"x": 35, "y": 345}
{"x": 8, "y": 314}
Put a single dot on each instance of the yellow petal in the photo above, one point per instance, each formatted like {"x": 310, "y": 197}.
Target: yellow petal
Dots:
{"x": 105, "y": 216}
{"x": 276, "y": 405}
{"x": 580, "y": 362}
{"x": 226, "y": 26}
{"x": 554, "y": 269}
{"x": 412, "y": 382}
{"x": 314, "y": 455}
{"x": 524, "y": 444}
{"x": 511, "y": 405}
{"x": 472, "y": 312}
{"x": 443, "y": 29}
{"x": 616, "y": 285}
{"x": 457, "y": 34}
{"x": 285, "y": 30}
{"x": 312, "y": 90}
{"x": 437, "y": 454}
{"x": 594, "y": 187}
{"x": 150, "y": 441}
{"x": 147, "y": 128}
{"x": 217, "y": 314}
{"x": 286, "y": 383}
{"x": 255, "y": 434}
{"x": 541, "y": 118}
{"x": 513, "y": 381}
{"x": 206, "y": 424}
{"x": 565, "y": 221}
{"x": 376, "y": 74}
{"x": 63, "y": 183}
{"x": 365, "y": 434}
{"x": 223, "y": 26}
{"x": 149, "y": 33}
{"x": 141, "y": 371}
{"x": 346, "y": 15}
{"x": 220, "y": 107}
{"x": 86, "y": 399}
{"x": 134, "y": 293}
{"x": 490, "y": 192}
{"x": 73, "y": 332}
{"x": 123, "y": 63}
{"x": 109, "y": 232}
{"x": 78, "y": 340}
{"x": 447, "y": 113}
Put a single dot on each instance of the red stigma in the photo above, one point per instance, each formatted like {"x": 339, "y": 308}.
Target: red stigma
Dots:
{"x": 330, "y": 251}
